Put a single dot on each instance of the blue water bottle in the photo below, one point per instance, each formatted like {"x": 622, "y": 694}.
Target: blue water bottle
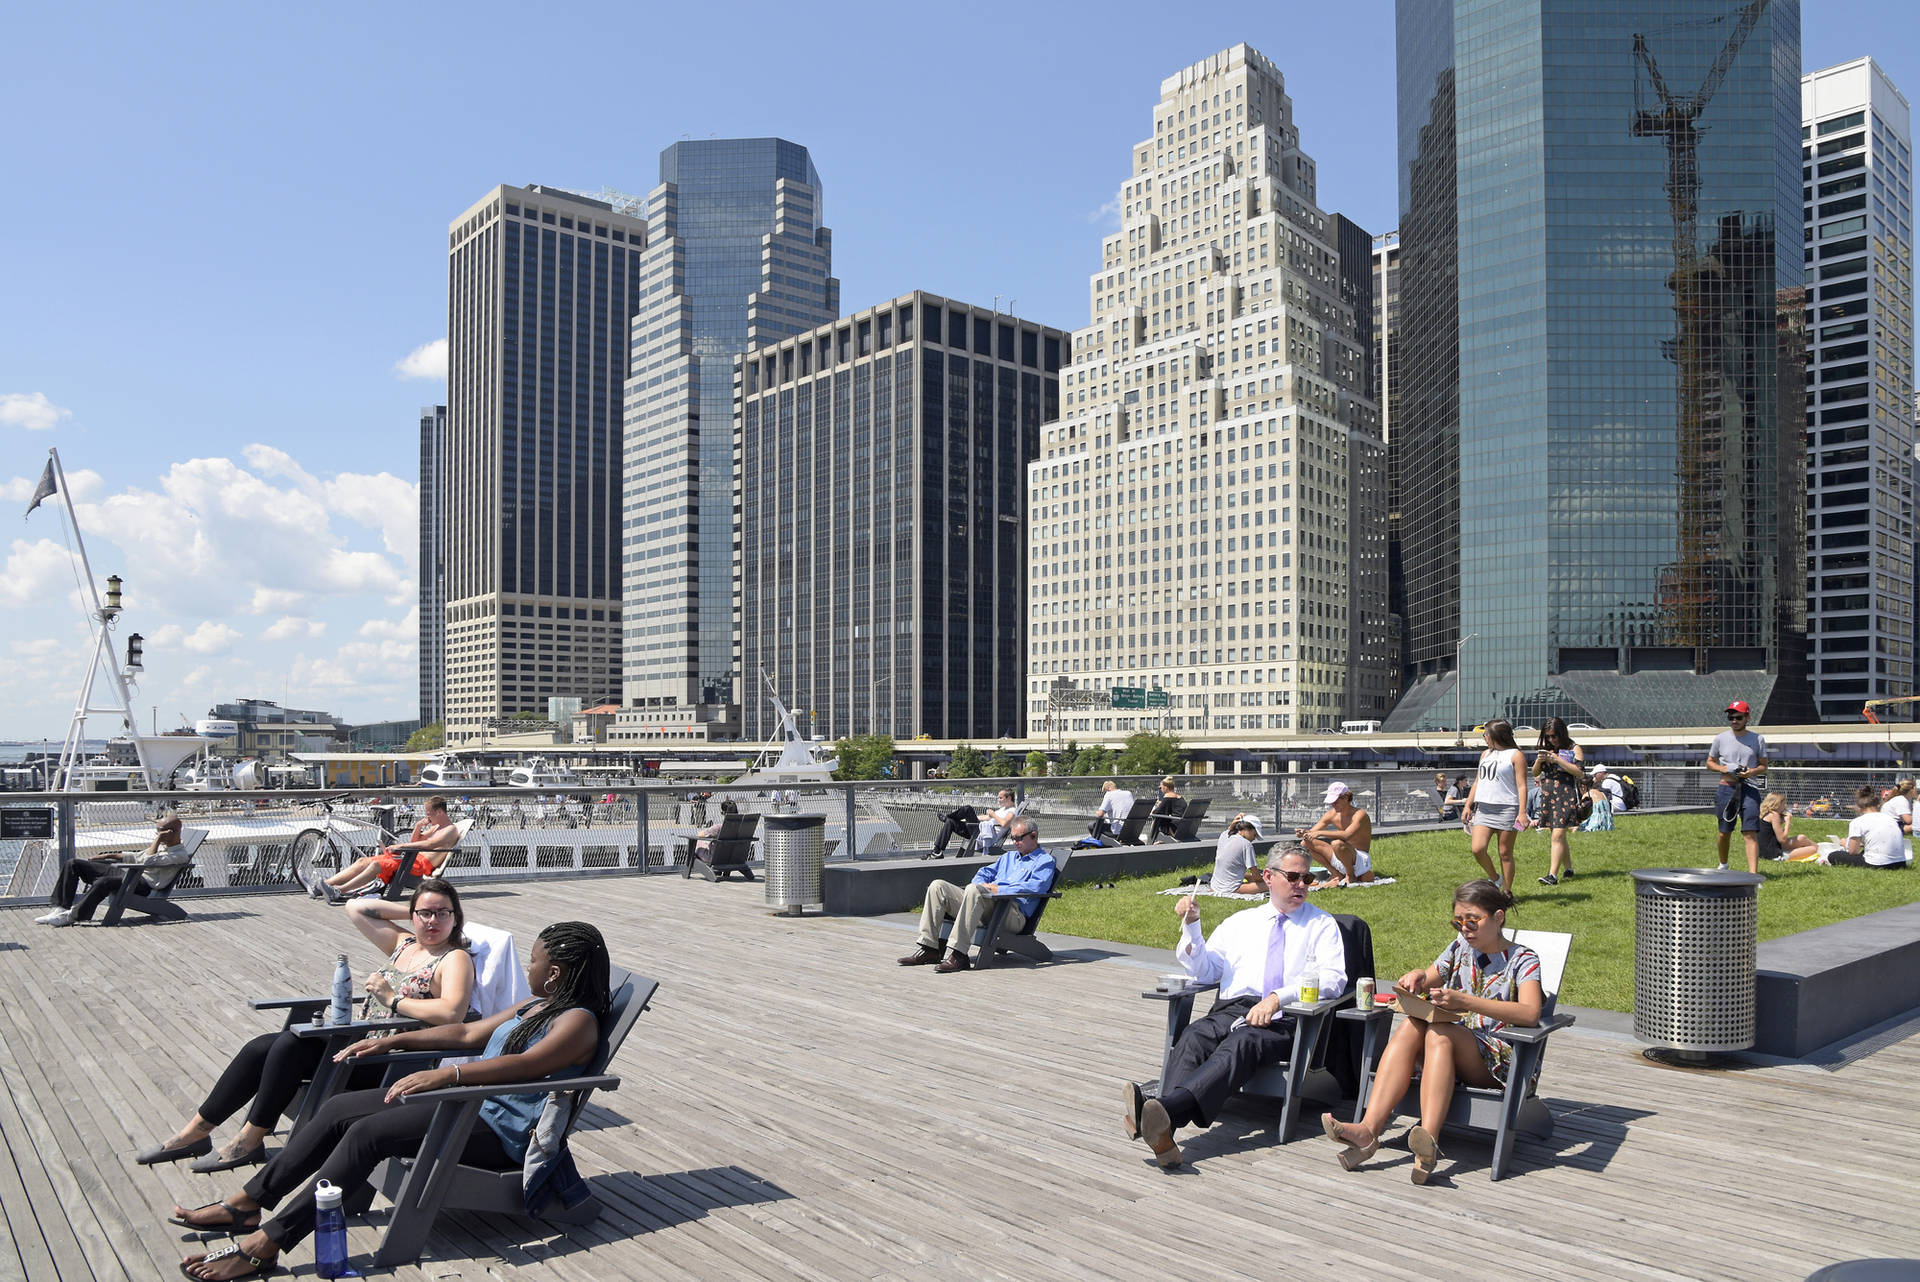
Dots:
{"x": 329, "y": 1232}
{"x": 342, "y": 1012}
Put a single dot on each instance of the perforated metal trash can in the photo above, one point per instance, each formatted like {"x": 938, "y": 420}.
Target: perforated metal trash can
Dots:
{"x": 794, "y": 850}
{"x": 1693, "y": 958}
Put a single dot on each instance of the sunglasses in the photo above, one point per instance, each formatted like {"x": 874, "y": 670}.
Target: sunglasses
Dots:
{"x": 1297, "y": 878}
{"x": 432, "y": 914}
{"x": 1736, "y": 716}
{"x": 1467, "y": 925}
{"x": 1026, "y": 836}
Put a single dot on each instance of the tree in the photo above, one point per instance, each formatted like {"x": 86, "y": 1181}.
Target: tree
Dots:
{"x": 1036, "y": 763}
{"x": 968, "y": 763}
{"x": 1003, "y": 765}
{"x": 1147, "y": 753}
{"x": 1063, "y": 764}
{"x": 863, "y": 756}
{"x": 428, "y": 738}
{"x": 1089, "y": 762}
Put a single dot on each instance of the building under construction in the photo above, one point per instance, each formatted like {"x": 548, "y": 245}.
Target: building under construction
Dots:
{"x": 1600, "y": 386}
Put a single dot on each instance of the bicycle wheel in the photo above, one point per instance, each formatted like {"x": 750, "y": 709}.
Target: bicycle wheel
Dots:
{"x": 303, "y": 853}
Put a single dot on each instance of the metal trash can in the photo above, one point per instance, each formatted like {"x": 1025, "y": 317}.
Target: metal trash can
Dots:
{"x": 793, "y": 847}
{"x": 1694, "y": 933}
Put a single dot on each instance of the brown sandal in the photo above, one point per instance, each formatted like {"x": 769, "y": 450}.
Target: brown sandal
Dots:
{"x": 1426, "y": 1153}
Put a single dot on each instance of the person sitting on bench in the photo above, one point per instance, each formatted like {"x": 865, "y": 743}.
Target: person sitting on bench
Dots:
{"x": 434, "y": 834}
{"x": 1167, "y": 811}
{"x": 1115, "y": 805}
{"x": 105, "y": 876}
{"x": 1260, "y": 957}
{"x": 1340, "y": 838}
{"x": 1027, "y": 869}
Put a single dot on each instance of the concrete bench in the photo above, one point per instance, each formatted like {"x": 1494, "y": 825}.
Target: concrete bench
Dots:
{"x": 1830, "y": 982}
{"x": 868, "y": 888}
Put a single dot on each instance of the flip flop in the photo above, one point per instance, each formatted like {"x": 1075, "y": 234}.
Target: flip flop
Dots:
{"x": 260, "y": 1267}
{"x": 235, "y": 1219}
{"x": 213, "y": 1163}
{"x": 161, "y": 1153}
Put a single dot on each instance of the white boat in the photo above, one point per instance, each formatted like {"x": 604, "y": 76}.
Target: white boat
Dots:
{"x": 450, "y": 772}
{"x": 542, "y": 776}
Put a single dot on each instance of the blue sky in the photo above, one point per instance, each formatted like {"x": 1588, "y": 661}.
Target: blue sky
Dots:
{"x": 226, "y": 233}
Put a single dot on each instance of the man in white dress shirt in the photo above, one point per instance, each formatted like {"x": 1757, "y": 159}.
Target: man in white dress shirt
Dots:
{"x": 1115, "y": 804}
{"x": 1259, "y": 958}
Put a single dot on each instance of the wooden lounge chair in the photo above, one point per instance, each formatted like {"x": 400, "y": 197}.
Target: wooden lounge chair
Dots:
{"x": 150, "y": 891}
{"x": 1305, "y": 1075}
{"x": 994, "y": 938}
{"x": 731, "y": 850}
{"x": 434, "y": 1180}
{"x": 1505, "y": 1111}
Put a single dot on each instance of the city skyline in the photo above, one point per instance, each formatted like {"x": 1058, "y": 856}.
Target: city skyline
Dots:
{"x": 294, "y": 573}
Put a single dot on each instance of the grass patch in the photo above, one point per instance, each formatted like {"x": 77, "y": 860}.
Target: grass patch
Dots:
{"x": 1410, "y": 918}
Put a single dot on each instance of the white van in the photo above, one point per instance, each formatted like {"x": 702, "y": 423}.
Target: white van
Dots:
{"x": 1359, "y": 727}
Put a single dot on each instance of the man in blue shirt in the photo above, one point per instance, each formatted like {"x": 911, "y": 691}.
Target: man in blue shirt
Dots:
{"x": 1025, "y": 870}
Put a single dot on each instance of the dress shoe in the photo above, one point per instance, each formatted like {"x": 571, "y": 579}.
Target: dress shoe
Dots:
{"x": 921, "y": 957}
{"x": 1133, "y": 1101}
{"x": 1156, "y": 1128}
{"x": 952, "y": 962}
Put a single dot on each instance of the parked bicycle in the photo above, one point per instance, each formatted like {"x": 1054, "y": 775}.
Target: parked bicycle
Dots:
{"x": 326, "y": 848}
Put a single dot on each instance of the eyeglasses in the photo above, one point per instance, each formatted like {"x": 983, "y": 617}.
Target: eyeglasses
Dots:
{"x": 432, "y": 914}
{"x": 1736, "y": 716}
{"x": 1467, "y": 925}
{"x": 1024, "y": 836}
{"x": 1297, "y": 878}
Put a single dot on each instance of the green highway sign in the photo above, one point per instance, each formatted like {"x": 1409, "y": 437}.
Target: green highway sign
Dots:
{"x": 1159, "y": 699}
{"x": 1129, "y": 696}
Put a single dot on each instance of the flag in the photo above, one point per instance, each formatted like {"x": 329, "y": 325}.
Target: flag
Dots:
{"x": 44, "y": 490}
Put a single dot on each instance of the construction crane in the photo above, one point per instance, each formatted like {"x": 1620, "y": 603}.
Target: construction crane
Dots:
{"x": 1867, "y": 710}
{"x": 1696, "y": 283}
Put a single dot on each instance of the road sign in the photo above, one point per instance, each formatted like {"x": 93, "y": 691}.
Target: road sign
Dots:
{"x": 1130, "y": 696}
{"x": 1159, "y": 699}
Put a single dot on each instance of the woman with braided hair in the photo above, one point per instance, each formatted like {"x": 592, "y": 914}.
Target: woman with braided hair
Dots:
{"x": 551, "y": 1037}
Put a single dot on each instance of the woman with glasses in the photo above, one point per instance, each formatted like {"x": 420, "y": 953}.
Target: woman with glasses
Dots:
{"x": 1498, "y": 802}
{"x": 428, "y": 976}
{"x": 1489, "y": 982}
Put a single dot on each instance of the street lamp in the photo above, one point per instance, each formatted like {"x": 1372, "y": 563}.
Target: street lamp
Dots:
{"x": 1459, "y": 675}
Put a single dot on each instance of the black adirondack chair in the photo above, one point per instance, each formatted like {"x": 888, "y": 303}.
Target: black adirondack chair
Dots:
{"x": 731, "y": 851}
{"x": 151, "y": 891}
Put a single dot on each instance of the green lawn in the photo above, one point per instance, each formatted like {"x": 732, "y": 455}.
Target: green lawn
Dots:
{"x": 1410, "y": 918}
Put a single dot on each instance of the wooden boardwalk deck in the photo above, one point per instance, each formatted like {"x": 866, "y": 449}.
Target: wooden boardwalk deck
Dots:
{"x": 796, "y": 1106}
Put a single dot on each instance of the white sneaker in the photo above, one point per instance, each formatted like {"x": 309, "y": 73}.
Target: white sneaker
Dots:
{"x": 62, "y": 918}
{"x": 49, "y": 919}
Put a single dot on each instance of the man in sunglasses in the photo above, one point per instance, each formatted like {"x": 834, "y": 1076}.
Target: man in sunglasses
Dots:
{"x": 1260, "y": 957}
{"x": 1026, "y": 869}
{"x": 1739, "y": 757}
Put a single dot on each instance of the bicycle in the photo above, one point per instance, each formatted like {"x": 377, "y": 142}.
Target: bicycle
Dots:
{"x": 323, "y": 847}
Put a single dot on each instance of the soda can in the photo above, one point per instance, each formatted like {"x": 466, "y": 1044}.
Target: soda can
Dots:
{"x": 1363, "y": 993}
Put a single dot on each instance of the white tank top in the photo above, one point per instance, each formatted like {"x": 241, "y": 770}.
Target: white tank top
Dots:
{"x": 1496, "y": 786}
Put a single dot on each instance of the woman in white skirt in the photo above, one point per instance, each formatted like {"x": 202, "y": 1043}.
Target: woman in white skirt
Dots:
{"x": 1498, "y": 802}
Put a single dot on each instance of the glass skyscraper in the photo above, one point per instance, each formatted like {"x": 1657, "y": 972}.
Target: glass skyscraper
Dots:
{"x": 1600, "y": 399}
{"x": 736, "y": 257}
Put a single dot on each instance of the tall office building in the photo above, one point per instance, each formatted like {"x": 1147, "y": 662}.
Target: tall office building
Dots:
{"x": 541, "y": 287}
{"x": 1385, "y": 390}
{"x": 432, "y": 571}
{"x": 1208, "y": 510}
{"x": 736, "y": 258}
{"x": 1857, "y": 175}
{"x": 882, "y": 464}
{"x": 1600, "y": 404}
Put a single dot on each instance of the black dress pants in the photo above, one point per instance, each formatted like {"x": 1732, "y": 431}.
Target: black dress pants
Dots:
{"x": 351, "y": 1135}
{"x": 102, "y": 880}
{"x": 1213, "y": 1059}
{"x": 962, "y": 821}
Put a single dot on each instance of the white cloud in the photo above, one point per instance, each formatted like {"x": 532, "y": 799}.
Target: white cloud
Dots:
{"x": 33, "y": 411}
{"x": 406, "y": 629}
{"x": 289, "y": 628}
{"x": 39, "y": 574}
{"x": 1108, "y": 214}
{"x": 429, "y": 360}
{"x": 208, "y": 638}
{"x": 274, "y": 600}
{"x": 19, "y": 489}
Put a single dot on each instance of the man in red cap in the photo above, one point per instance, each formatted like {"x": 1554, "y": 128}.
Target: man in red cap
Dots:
{"x": 1739, "y": 757}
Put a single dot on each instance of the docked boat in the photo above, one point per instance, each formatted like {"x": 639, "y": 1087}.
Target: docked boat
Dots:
{"x": 450, "y": 773}
{"x": 543, "y": 776}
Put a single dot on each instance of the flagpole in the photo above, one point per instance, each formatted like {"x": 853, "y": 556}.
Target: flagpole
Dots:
{"x": 66, "y": 497}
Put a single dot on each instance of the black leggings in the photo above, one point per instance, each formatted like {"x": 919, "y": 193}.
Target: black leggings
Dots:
{"x": 347, "y": 1138}
{"x": 1847, "y": 859}
{"x": 269, "y": 1070}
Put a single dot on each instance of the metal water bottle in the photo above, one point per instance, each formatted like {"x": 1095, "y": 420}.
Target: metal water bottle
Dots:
{"x": 342, "y": 1012}
{"x": 329, "y": 1232}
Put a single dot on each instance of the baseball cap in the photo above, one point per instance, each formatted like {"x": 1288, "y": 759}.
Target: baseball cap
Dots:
{"x": 1739, "y": 706}
{"x": 1254, "y": 820}
{"x": 1600, "y": 770}
{"x": 1335, "y": 790}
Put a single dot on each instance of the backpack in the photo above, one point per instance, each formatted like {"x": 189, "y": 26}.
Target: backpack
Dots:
{"x": 1630, "y": 792}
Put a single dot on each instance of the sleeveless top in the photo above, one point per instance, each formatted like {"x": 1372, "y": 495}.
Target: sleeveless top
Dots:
{"x": 413, "y": 983}
{"x": 1496, "y": 779}
{"x": 513, "y": 1117}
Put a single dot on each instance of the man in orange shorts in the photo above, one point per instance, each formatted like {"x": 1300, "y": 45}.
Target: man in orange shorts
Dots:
{"x": 432, "y": 835}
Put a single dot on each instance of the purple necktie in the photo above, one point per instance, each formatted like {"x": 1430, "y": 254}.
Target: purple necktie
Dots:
{"x": 1276, "y": 956}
